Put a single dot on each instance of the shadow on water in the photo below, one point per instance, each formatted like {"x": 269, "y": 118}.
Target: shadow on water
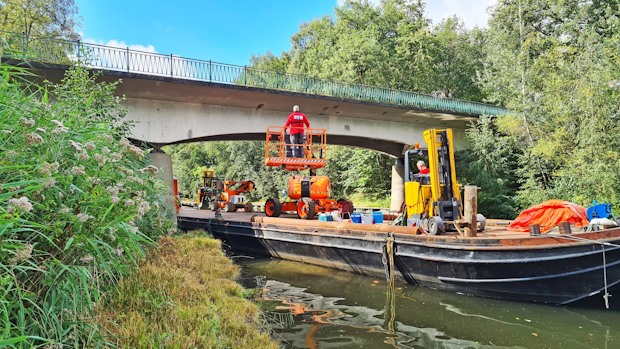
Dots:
{"x": 308, "y": 306}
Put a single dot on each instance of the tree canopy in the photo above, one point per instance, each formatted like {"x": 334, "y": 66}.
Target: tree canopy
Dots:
{"x": 556, "y": 65}
{"x": 42, "y": 18}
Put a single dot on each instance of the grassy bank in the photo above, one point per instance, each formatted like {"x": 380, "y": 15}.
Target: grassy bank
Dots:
{"x": 183, "y": 296}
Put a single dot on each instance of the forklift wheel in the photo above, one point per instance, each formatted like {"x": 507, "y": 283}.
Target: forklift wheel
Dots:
{"x": 435, "y": 226}
{"x": 273, "y": 207}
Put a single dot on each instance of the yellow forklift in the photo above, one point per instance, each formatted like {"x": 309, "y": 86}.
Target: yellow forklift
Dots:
{"x": 433, "y": 201}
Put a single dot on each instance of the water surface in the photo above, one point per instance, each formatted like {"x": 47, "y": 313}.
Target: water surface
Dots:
{"x": 308, "y": 306}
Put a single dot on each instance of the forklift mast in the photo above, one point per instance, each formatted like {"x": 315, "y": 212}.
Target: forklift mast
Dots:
{"x": 446, "y": 196}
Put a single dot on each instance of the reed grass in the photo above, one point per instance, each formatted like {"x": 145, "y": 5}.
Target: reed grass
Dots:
{"x": 183, "y": 296}
{"x": 79, "y": 205}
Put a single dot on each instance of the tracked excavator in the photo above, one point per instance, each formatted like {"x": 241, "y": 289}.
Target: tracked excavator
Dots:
{"x": 433, "y": 201}
{"x": 309, "y": 194}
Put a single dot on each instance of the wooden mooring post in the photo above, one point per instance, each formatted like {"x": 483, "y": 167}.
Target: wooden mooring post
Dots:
{"x": 470, "y": 210}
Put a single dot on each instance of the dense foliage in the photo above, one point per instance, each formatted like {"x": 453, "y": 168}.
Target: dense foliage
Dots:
{"x": 78, "y": 205}
{"x": 556, "y": 64}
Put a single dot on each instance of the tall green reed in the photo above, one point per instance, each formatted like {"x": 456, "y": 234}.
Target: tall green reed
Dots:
{"x": 79, "y": 204}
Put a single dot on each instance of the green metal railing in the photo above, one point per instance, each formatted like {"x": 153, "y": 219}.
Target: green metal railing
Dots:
{"x": 49, "y": 50}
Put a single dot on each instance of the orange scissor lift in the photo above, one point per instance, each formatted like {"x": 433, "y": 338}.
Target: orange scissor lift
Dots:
{"x": 309, "y": 194}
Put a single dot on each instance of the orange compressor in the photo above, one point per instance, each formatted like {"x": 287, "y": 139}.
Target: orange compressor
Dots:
{"x": 311, "y": 195}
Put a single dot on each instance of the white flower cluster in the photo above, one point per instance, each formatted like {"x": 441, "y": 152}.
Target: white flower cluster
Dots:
{"x": 60, "y": 128}
{"x": 150, "y": 169}
{"x": 22, "y": 203}
{"x": 78, "y": 170}
{"x": 47, "y": 168}
{"x": 33, "y": 138}
{"x": 27, "y": 122}
{"x": 22, "y": 254}
{"x": 83, "y": 217}
{"x": 124, "y": 142}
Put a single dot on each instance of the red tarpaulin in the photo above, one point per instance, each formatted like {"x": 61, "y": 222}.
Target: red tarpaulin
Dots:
{"x": 549, "y": 214}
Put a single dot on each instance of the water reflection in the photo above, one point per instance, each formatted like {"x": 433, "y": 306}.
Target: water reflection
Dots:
{"x": 314, "y": 307}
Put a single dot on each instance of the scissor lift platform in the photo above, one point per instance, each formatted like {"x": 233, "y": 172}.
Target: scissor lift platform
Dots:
{"x": 314, "y": 149}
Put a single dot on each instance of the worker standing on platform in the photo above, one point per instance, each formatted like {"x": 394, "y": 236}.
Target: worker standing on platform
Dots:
{"x": 296, "y": 122}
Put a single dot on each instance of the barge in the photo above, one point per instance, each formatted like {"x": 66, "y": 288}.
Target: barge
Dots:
{"x": 549, "y": 268}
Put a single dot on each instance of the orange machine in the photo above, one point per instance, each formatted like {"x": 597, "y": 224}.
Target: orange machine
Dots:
{"x": 227, "y": 195}
{"x": 310, "y": 194}
{"x": 232, "y": 198}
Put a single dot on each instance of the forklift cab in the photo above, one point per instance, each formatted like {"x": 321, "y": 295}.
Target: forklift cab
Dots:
{"x": 433, "y": 201}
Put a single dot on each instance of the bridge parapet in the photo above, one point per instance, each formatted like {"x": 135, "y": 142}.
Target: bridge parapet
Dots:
{"x": 64, "y": 52}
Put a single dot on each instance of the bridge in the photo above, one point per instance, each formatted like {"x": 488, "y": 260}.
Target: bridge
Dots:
{"x": 176, "y": 100}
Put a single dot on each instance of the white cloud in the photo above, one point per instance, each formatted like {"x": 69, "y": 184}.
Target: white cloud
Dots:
{"x": 373, "y": 2}
{"x": 121, "y": 44}
{"x": 472, "y": 12}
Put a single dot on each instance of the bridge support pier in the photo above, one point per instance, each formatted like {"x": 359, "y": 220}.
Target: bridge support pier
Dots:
{"x": 398, "y": 185}
{"x": 163, "y": 161}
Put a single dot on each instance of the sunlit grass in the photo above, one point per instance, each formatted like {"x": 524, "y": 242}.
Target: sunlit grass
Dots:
{"x": 183, "y": 296}
{"x": 361, "y": 200}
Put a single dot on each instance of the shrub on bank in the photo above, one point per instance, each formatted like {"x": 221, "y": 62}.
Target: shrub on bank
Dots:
{"x": 78, "y": 206}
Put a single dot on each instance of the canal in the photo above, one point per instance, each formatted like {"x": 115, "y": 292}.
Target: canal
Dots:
{"x": 308, "y": 306}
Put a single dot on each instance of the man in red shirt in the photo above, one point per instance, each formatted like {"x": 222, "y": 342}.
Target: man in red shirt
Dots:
{"x": 422, "y": 168}
{"x": 296, "y": 122}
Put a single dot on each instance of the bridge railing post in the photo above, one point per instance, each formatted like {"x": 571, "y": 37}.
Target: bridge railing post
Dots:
{"x": 127, "y": 54}
{"x": 245, "y": 75}
{"x": 210, "y": 69}
{"x": 171, "y": 67}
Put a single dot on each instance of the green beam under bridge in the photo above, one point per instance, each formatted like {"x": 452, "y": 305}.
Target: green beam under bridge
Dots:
{"x": 57, "y": 51}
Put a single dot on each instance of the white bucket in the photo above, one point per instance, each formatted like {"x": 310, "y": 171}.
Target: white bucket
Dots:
{"x": 336, "y": 216}
{"x": 367, "y": 218}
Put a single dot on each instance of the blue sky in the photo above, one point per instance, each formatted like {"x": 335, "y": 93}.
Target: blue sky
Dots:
{"x": 224, "y": 31}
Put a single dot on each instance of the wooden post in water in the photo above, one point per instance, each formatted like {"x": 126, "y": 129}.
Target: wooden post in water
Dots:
{"x": 470, "y": 210}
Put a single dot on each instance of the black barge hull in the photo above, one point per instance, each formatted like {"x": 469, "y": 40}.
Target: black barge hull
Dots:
{"x": 558, "y": 269}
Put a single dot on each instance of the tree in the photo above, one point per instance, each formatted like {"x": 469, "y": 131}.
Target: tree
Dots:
{"x": 556, "y": 64}
{"x": 457, "y": 58}
{"x": 40, "y": 18}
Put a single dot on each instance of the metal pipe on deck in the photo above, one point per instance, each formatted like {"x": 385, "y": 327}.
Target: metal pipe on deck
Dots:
{"x": 337, "y": 226}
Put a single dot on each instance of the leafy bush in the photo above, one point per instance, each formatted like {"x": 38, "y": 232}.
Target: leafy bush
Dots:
{"x": 78, "y": 206}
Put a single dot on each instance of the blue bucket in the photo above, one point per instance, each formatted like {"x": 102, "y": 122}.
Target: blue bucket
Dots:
{"x": 326, "y": 217}
{"x": 356, "y": 217}
{"x": 377, "y": 216}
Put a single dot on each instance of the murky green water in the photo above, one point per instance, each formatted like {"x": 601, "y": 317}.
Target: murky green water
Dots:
{"x": 314, "y": 307}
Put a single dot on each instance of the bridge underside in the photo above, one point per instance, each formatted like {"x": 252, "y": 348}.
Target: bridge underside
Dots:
{"x": 394, "y": 149}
